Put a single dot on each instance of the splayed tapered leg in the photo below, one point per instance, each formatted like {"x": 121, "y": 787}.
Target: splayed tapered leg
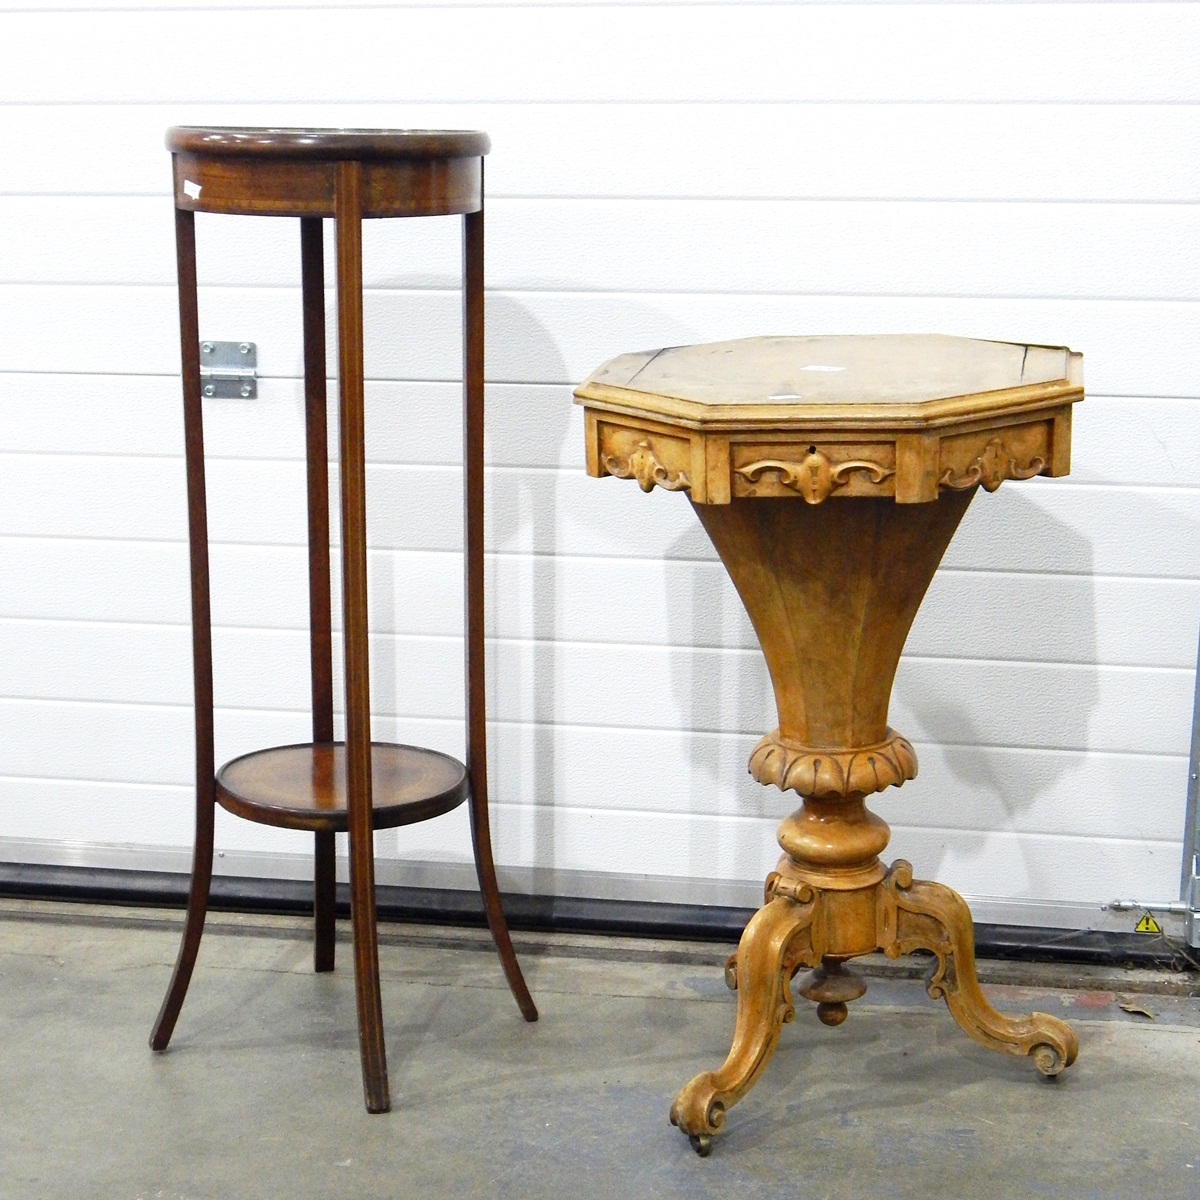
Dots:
{"x": 202, "y": 670}
{"x": 473, "y": 534}
{"x": 193, "y": 929}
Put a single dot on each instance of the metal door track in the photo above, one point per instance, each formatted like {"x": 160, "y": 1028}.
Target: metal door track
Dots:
{"x": 1188, "y": 904}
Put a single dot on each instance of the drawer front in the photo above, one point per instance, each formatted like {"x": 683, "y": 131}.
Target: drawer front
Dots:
{"x": 813, "y": 470}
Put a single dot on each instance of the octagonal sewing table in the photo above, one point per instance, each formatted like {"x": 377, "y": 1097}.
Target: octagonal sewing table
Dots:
{"x": 830, "y": 474}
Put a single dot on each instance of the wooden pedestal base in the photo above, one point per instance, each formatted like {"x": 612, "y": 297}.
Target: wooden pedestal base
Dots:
{"x": 822, "y": 924}
{"x": 832, "y": 590}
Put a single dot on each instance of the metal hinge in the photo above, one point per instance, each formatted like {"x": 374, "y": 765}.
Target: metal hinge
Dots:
{"x": 229, "y": 369}
{"x": 1172, "y": 908}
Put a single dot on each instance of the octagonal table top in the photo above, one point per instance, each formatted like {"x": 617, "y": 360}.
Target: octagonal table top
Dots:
{"x": 761, "y": 378}
{"x": 900, "y": 415}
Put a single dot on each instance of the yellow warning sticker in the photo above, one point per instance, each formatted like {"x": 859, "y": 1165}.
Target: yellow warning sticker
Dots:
{"x": 1147, "y": 925}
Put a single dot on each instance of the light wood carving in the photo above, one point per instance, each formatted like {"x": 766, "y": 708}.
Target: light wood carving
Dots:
{"x": 815, "y": 478}
{"x": 642, "y": 465}
{"x": 929, "y": 916}
{"x": 991, "y": 469}
{"x": 832, "y": 590}
{"x": 775, "y": 941}
{"x": 812, "y": 772}
{"x": 792, "y": 930}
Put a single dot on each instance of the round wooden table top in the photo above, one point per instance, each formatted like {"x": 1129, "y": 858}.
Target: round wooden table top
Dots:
{"x": 304, "y": 786}
{"x": 337, "y": 144}
{"x": 295, "y": 172}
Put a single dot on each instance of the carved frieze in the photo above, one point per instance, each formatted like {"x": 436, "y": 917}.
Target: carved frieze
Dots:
{"x": 641, "y": 464}
{"x": 991, "y": 469}
{"x": 814, "y": 478}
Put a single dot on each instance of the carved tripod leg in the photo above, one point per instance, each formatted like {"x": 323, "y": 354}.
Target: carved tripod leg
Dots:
{"x": 929, "y": 916}
{"x": 766, "y": 954}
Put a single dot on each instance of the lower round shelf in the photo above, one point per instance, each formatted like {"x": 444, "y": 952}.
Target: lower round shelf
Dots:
{"x": 304, "y": 786}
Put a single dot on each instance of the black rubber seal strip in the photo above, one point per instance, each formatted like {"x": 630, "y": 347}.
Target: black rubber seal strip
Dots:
{"x": 563, "y": 914}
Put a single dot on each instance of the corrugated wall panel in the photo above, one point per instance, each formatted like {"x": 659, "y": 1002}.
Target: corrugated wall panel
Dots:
{"x": 661, "y": 173}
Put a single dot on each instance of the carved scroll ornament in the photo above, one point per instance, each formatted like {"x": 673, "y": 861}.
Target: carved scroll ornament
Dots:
{"x": 643, "y": 466}
{"x": 991, "y": 469}
{"x": 815, "y": 478}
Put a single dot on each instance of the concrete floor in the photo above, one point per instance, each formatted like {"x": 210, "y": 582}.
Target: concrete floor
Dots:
{"x": 259, "y": 1095}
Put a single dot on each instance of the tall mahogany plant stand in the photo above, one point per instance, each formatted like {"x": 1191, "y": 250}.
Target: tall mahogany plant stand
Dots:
{"x": 830, "y": 474}
{"x": 325, "y": 786}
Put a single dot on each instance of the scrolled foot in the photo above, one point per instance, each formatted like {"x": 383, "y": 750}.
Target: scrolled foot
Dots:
{"x": 697, "y": 1110}
{"x": 1050, "y": 1060}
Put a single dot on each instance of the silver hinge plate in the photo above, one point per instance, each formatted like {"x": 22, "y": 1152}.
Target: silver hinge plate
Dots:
{"x": 229, "y": 369}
